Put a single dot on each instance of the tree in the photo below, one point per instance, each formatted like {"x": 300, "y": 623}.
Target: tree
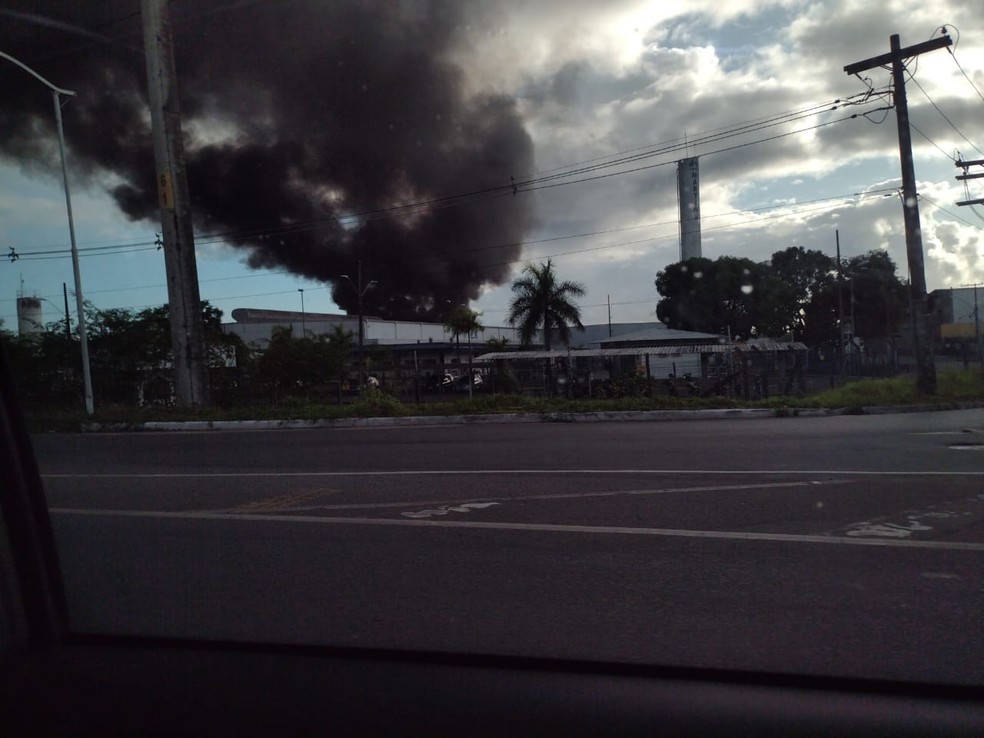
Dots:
{"x": 795, "y": 291}
{"x": 540, "y": 302}
{"x": 880, "y": 297}
{"x": 497, "y": 343}
{"x": 807, "y": 276}
{"x": 715, "y": 296}
{"x": 340, "y": 342}
{"x": 299, "y": 365}
{"x": 463, "y": 320}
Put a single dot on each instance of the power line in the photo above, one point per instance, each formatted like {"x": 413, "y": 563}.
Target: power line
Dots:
{"x": 662, "y": 238}
{"x": 944, "y": 116}
{"x": 736, "y": 224}
{"x": 953, "y": 55}
{"x": 916, "y": 129}
{"x": 948, "y": 212}
{"x": 709, "y": 153}
{"x": 529, "y": 184}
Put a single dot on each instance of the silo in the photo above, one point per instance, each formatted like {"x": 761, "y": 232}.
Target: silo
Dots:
{"x": 688, "y": 194}
{"x": 29, "y": 316}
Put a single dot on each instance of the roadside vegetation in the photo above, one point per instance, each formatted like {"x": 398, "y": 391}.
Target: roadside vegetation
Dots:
{"x": 954, "y": 387}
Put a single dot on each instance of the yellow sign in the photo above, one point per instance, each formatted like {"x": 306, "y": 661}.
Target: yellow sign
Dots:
{"x": 957, "y": 330}
{"x": 165, "y": 191}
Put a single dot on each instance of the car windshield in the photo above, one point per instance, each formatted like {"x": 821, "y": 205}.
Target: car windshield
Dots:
{"x": 631, "y": 332}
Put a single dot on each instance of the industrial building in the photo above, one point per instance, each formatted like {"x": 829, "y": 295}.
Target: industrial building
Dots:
{"x": 957, "y": 320}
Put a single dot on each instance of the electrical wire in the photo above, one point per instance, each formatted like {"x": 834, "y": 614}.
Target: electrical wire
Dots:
{"x": 944, "y": 116}
{"x": 953, "y": 55}
{"x": 938, "y": 147}
{"x": 667, "y": 237}
{"x": 948, "y": 212}
{"x": 454, "y": 200}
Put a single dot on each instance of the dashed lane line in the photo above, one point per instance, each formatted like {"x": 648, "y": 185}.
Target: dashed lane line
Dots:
{"x": 565, "y": 496}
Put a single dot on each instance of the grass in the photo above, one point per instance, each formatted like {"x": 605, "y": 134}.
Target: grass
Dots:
{"x": 953, "y": 386}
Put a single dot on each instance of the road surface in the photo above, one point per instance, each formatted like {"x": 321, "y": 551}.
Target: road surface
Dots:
{"x": 844, "y": 546}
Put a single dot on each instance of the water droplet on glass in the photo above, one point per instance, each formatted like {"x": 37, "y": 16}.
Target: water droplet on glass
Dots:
{"x": 698, "y": 275}
{"x": 747, "y": 289}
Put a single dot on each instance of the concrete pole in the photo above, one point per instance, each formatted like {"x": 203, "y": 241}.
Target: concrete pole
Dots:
{"x": 68, "y": 320}
{"x": 362, "y": 329}
{"x": 471, "y": 371}
{"x": 977, "y": 330}
{"x": 303, "y": 317}
{"x": 76, "y": 270}
{"x": 177, "y": 232}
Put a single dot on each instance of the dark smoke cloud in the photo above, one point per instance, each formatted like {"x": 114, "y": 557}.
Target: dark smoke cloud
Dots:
{"x": 297, "y": 114}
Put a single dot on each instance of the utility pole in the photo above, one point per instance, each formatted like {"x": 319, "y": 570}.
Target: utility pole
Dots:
{"x": 76, "y": 270}
{"x": 840, "y": 305}
{"x": 68, "y": 321}
{"x": 922, "y": 337}
{"x": 360, "y": 292}
{"x": 303, "y": 315}
{"x": 977, "y": 329}
{"x": 56, "y": 93}
{"x": 177, "y": 231}
{"x": 609, "y": 316}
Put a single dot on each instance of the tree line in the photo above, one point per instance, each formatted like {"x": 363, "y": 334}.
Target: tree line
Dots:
{"x": 130, "y": 359}
{"x": 798, "y": 293}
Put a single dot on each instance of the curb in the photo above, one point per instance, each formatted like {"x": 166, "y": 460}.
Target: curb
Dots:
{"x": 495, "y": 418}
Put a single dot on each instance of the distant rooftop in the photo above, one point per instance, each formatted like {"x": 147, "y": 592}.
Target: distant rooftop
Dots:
{"x": 659, "y": 332}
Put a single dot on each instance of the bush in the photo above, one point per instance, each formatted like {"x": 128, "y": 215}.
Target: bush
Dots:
{"x": 373, "y": 402}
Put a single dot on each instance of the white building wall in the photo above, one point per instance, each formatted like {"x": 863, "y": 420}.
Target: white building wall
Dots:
{"x": 661, "y": 367}
{"x": 377, "y": 331}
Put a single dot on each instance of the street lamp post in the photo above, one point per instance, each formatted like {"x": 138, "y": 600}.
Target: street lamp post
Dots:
{"x": 360, "y": 293}
{"x": 303, "y": 323}
{"x": 79, "y": 302}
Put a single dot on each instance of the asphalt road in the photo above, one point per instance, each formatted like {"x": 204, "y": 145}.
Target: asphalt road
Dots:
{"x": 845, "y": 546}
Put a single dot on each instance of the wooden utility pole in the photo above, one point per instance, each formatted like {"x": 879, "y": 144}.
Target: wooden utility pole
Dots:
{"x": 922, "y": 337}
{"x": 177, "y": 232}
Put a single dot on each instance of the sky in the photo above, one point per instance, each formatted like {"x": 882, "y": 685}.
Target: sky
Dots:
{"x": 589, "y": 83}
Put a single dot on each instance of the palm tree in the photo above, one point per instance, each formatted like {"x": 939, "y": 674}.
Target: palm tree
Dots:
{"x": 462, "y": 320}
{"x": 540, "y": 302}
{"x": 498, "y": 343}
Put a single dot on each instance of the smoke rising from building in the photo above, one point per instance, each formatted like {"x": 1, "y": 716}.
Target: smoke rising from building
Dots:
{"x": 303, "y": 121}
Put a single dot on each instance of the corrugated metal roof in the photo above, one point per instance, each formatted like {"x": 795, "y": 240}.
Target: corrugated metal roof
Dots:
{"x": 757, "y": 346}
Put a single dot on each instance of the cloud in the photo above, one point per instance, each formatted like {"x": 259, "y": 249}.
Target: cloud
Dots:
{"x": 588, "y": 81}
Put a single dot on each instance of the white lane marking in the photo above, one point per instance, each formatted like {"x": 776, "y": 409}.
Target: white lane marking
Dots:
{"x": 536, "y": 527}
{"x": 562, "y": 496}
{"x": 475, "y": 472}
{"x": 915, "y": 521}
{"x": 445, "y": 509}
{"x": 939, "y": 575}
{"x": 887, "y": 530}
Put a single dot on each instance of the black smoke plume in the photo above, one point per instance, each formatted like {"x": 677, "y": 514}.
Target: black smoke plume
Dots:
{"x": 303, "y": 120}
